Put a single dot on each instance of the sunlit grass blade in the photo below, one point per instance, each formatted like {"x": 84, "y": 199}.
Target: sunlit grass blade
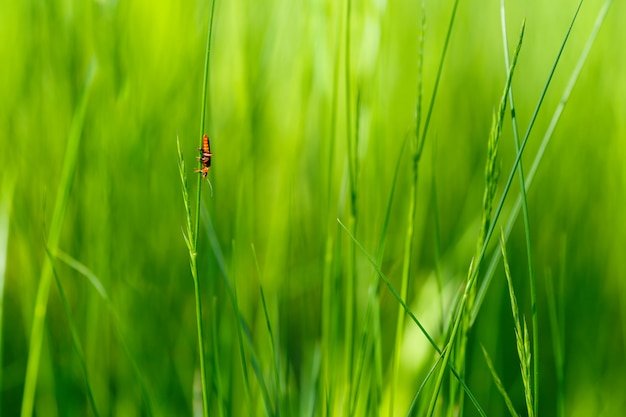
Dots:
{"x": 498, "y": 382}
{"x": 54, "y": 235}
{"x": 396, "y": 295}
{"x": 75, "y": 338}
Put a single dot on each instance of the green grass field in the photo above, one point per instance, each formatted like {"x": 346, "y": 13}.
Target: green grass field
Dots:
{"x": 347, "y": 257}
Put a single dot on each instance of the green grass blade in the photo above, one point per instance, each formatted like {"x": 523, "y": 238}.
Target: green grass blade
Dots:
{"x": 487, "y": 223}
{"x": 413, "y": 407}
{"x": 191, "y": 239}
{"x": 6, "y": 197}
{"x": 531, "y": 269}
{"x": 240, "y": 340}
{"x": 270, "y": 333}
{"x": 219, "y": 257}
{"x": 521, "y": 337}
{"x": 75, "y": 339}
{"x": 444, "y": 51}
{"x": 539, "y": 156}
{"x": 54, "y": 235}
{"x": 217, "y": 374}
{"x": 97, "y": 284}
{"x": 498, "y": 382}
{"x": 396, "y": 295}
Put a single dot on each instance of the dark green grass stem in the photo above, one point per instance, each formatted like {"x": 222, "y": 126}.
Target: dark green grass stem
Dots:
{"x": 193, "y": 238}
{"x": 531, "y": 269}
{"x": 539, "y": 156}
{"x": 487, "y": 223}
{"x": 54, "y": 235}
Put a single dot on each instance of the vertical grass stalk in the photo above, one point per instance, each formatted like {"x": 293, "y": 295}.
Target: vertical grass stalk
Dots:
{"x": 192, "y": 234}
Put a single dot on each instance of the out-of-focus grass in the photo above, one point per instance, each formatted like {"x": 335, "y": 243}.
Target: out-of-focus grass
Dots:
{"x": 271, "y": 94}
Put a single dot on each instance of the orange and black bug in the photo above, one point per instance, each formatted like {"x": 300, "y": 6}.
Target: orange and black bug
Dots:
{"x": 205, "y": 156}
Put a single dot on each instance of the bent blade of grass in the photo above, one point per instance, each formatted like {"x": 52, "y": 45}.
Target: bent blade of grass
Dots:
{"x": 54, "y": 235}
{"x": 498, "y": 382}
{"x": 75, "y": 339}
{"x": 542, "y": 147}
{"x": 396, "y": 295}
{"x": 487, "y": 225}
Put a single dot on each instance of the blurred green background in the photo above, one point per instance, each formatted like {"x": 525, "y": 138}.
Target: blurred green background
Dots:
{"x": 279, "y": 179}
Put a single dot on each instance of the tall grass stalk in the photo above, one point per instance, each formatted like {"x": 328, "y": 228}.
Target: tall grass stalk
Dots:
{"x": 54, "y": 235}
{"x": 491, "y": 173}
{"x": 531, "y": 269}
{"x": 191, "y": 237}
